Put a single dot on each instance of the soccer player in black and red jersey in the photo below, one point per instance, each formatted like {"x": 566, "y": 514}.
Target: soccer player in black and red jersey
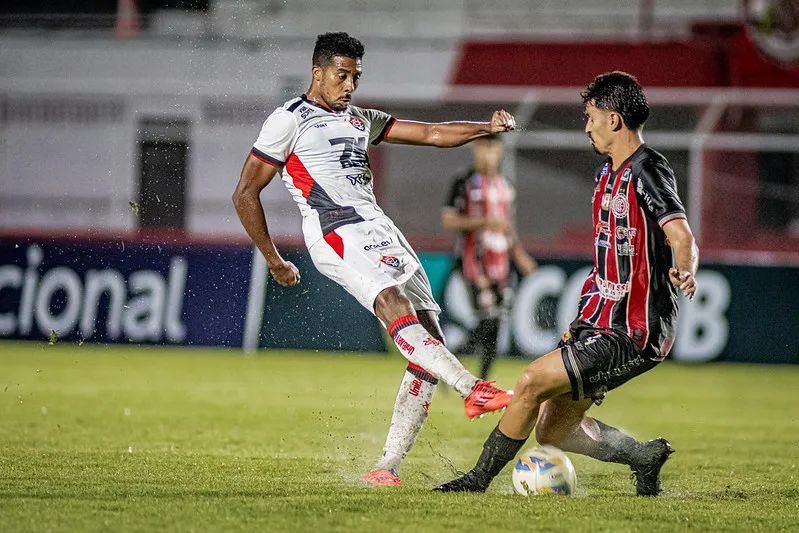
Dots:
{"x": 644, "y": 252}
{"x": 481, "y": 208}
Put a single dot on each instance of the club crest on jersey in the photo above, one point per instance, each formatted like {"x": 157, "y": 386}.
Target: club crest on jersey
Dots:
{"x": 619, "y": 206}
{"x": 390, "y": 260}
{"x": 357, "y": 123}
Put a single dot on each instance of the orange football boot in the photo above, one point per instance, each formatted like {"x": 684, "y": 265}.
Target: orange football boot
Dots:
{"x": 485, "y": 398}
{"x": 380, "y": 478}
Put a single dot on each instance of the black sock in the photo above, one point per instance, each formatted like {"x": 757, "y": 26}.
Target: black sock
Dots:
{"x": 498, "y": 450}
{"x": 488, "y": 334}
{"x": 613, "y": 446}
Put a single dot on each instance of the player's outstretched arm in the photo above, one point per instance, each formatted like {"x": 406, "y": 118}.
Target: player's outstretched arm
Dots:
{"x": 254, "y": 177}
{"x": 448, "y": 134}
{"x": 686, "y": 256}
{"x": 454, "y": 220}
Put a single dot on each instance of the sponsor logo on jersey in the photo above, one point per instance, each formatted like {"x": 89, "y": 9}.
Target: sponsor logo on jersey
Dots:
{"x": 304, "y": 111}
{"x": 361, "y": 179}
{"x": 626, "y": 176}
{"x": 624, "y": 233}
{"x": 620, "y": 206}
{"x": 357, "y": 123}
{"x": 602, "y": 228}
{"x": 646, "y": 196}
{"x": 605, "y": 201}
{"x": 605, "y": 170}
{"x": 625, "y": 249}
{"x": 612, "y": 291}
{"x": 321, "y": 125}
{"x": 377, "y": 245}
{"x": 391, "y": 261}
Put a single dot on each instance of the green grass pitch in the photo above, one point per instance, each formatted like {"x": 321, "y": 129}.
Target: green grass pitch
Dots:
{"x": 98, "y": 438}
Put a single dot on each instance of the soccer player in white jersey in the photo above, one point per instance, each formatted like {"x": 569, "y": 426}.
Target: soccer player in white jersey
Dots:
{"x": 318, "y": 142}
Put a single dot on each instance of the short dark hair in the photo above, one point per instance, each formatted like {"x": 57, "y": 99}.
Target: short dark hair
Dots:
{"x": 620, "y": 92}
{"x": 329, "y": 45}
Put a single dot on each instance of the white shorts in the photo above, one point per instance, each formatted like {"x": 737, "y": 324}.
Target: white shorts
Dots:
{"x": 368, "y": 257}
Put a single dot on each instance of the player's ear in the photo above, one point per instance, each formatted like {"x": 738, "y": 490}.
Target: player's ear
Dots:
{"x": 616, "y": 122}
{"x": 316, "y": 73}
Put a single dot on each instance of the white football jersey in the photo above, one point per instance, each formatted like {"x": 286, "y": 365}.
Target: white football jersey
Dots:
{"x": 323, "y": 159}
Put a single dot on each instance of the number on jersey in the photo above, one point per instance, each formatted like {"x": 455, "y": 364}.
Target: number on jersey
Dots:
{"x": 354, "y": 154}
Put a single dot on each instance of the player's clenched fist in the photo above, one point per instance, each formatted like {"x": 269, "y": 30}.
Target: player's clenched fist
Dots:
{"x": 502, "y": 121}
{"x": 285, "y": 273}
{"x": 685, "y": 281}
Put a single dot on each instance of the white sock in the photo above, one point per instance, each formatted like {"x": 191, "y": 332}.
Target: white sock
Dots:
{"x": 421, "y": 349}
{"x": 410, "y": 411}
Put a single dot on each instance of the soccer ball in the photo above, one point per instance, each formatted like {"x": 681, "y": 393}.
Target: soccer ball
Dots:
{"x": 544, "y": 470}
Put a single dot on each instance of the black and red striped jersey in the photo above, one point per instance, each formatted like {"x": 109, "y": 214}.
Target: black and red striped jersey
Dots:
{"x": 628, "y": 289}
{"x": 483, "y": 253}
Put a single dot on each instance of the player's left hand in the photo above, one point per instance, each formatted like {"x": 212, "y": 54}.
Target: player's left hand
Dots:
{"x": 502, "y": 121}
{"x": 683, "y": 280}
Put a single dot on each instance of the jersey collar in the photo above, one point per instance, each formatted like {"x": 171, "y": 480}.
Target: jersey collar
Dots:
{"x": 322, "y": 106}
{"x": 632, "y": 156}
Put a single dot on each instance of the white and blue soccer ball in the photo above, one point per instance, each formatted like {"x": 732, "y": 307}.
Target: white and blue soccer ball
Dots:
{"x": 544, "y": 470}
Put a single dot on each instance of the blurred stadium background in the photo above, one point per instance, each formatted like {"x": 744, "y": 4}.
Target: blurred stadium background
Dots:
{"x": 123, "y": 128}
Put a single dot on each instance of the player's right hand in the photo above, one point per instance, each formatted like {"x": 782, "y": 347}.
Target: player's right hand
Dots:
{"x": 285, "y": 273}
{"x": 502, "y": 121}
{"x": 685, "y": 281}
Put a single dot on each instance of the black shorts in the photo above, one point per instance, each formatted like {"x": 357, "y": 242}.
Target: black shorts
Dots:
{"x": 599, "y": 360}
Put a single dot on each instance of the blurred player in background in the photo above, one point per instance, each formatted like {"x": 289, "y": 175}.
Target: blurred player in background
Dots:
{"x": 644, "y": 252}
{"x": 481, "y": 207}
{"x": 318, "y": 142}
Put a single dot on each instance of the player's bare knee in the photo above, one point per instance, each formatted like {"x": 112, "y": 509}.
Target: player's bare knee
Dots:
{"x": 392, "y": 304}
{"x": 528, "y": 388}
